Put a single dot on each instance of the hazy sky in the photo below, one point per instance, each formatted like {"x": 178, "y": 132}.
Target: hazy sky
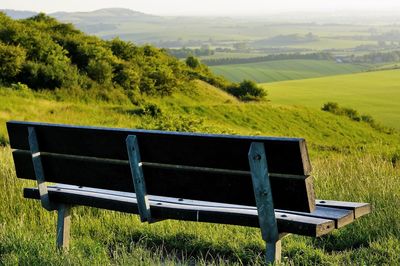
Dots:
{"x": 202, "y": 7}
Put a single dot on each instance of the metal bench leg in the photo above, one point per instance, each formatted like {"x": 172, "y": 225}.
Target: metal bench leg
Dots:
{"x": 63, "y": 226}
{"x": 264, "y": 201}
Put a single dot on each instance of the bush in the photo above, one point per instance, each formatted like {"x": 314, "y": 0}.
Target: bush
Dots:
{"x": 150, "y": 109}
{"x": 100, "y": 71}
{"x": 12, "y": 59}
{"x": 331, "y": 107}
{"x": 334, "y": 108}
{"x": 247, "y": 90}
{"x": 192, "y": 62}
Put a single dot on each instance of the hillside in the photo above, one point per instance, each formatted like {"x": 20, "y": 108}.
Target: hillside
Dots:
{"x": 42, "y": 53}
{"x": 349, "y": 159}
{"x": 280, "y": 70}
{"x": 375, "y": 93}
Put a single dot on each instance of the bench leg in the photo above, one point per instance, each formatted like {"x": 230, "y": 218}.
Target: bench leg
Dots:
{"x": 63, "y": 226}
{"x": 274, "y": 252}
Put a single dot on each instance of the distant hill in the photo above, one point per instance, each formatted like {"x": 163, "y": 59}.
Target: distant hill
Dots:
{"x": 107, "y": 15}
{"x": 18, "y": 14}
{"x": 107, "y": 19}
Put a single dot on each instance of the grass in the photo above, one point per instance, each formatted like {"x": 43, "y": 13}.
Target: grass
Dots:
{"x": 375, "y": 93}
{"x": 271, "y": 71}
{"x": 351, "y": 161}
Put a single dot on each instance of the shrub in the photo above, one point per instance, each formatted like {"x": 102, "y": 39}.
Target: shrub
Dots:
{"x": 351, "y": 113}
{"x": 100, "y": 71}
{"x": 247, "y": 90}
{"x": 395, "y": 160}
{"x": 331, "y": 107}
{"x": 192, "y": 62}
{"x": 150, "y": 109}
{"x": 11, "y": 60}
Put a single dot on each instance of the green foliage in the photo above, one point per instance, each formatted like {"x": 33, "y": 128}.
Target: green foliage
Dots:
{"x": 100, "y": 71}
{"x": 45, "y": 54}
{"x": 192, "y": 62}
{"x": 12, "y": 59}
{"x": 149, "y": 109}
{"x": 247, "y": 90}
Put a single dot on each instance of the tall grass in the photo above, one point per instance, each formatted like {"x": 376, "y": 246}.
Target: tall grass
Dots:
{"x": 27, "y": 231}
{"x": 352, "y": 161}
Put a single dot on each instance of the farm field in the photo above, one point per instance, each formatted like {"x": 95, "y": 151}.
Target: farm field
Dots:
{"x": 351, "y": 161}
{"x": 279, "y": 70}
{"x": 374, "y": 93}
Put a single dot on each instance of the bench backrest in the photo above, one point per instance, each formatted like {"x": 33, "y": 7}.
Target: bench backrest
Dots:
{"x": 182, "y": 165}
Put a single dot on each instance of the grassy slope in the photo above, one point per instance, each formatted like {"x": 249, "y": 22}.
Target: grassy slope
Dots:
{"x": 350, "y": 161}
{"x": 284, "y": 70}
{"x": 374, "y": 93}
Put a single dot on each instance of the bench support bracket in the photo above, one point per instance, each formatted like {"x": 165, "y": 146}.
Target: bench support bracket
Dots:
{"x": 264, "y": 201}
{"x": 138, "y": 178}
{"x": 38, "y": 168}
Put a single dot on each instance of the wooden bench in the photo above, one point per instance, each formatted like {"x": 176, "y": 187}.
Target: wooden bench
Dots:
{"x": 260, "y": 182}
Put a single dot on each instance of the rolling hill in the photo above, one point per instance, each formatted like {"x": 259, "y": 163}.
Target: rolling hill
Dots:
{"x": 279, "y": 70}
{"x": 349, "y": 158}
{"x": 375, "y": 93}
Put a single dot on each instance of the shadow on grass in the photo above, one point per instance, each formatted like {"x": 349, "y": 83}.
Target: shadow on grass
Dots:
{"x": 189, "y": 248}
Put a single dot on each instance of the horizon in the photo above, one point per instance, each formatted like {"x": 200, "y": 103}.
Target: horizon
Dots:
{"x": 220, "y": 8}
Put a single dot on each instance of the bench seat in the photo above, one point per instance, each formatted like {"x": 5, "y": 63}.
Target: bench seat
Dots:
{"x": 320, "y": 222}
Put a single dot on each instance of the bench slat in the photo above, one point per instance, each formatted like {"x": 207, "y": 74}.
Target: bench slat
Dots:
{"x": 341, "y": 217}
{"x": 359, "y": 208}
{"x": 289, "y": 192}
{"x": 166, "y": 208}
{"x": 284, "y": 155}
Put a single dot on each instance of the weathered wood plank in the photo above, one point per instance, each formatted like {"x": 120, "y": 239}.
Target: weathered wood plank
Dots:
{"x": 284, "y": 155}
{"x": 263, "y": 195}
{"x": 341, "y": 217}
{"x": 359, "y": 208}
{"x": 37, "y": 167}
{"x": 165, "y": 208}
{"x": 289, "y": 192}
{"x": 63, "y": 226}
{"x": 139, "y": 183}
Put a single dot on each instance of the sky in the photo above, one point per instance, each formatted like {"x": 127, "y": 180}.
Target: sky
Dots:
{"x": 203, "y": 7}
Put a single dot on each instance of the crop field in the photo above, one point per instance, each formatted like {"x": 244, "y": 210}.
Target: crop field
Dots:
{"x": 279, "y": 70}
{"x": 374, "y": 93}
{"x": 351, "y": 161}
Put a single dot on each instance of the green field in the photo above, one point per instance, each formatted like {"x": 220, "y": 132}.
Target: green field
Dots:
{"x": 351, "y": 161}
{"x": 374, "y": 93}
{"x": 271, "y": 71}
